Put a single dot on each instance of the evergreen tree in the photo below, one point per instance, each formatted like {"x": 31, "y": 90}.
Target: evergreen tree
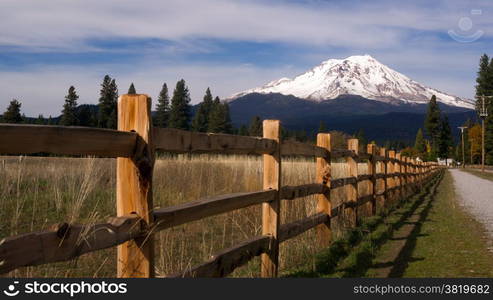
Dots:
{"x": 432, "y": 125}
{"x": 255, "y": 128}
{"x": 322, "y": 128}
{"x": 445, "y": 138}
{"x": 25, "y": 120}
{"x": 87, "y": 115}
{"x": 219, "y": 119}
{"x": 200, "y": 121}
{"x": 69, "y": 115}
{"x": 301, "y": 136}
{"x": 243, "y": 130}
{"x": 107, "y": 117}
{"x": 420, "y": 144}
{"x": 13, "y": 113}
{"x": 162, "y": 108}
{"x": 362, "y": 139}
{"x": 131, "y": 89}
{"x": 180, "y": 107}
{"x": 488, "y": 139}
{"x": 484, "y": 85}
{"x": 40, "y": 120}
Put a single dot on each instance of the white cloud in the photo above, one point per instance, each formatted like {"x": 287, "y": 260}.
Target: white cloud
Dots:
{"x": 400, "y": 34}
{"x": 42, "y": 90}
{"x": 69, "y": 24}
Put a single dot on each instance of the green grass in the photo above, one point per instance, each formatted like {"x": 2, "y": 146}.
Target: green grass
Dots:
{"x": 430, "y": 235}
{"x": 352, "y": 255}
{"x": 451, "y": 243}
{"x": 484, "y": 175}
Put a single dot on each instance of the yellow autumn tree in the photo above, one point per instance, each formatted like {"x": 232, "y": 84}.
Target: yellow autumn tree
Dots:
{"x": 475, "y": 142}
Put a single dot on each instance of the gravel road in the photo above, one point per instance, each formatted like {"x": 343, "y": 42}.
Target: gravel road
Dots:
{"x": 476, "y": 195}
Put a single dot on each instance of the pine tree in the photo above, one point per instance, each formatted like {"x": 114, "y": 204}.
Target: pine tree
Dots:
{"x": 87, "y": 115}
{"x": 219, "y": 119}
{"x": 69, "y": 115}
{"x": 107, "y": 117}
{"x": 420, "y": 144}
{"x": 483, "y": 80}
{"x": 162, "y": 109}
{"x": 432, "y": 125}
{"x": 243, "y": 130}
{"x": 200, "y": 121}
{"x": 180, "y": 107}
{"x": 255, "y": 128}
{"x": 488, "y": 139}
{"x": 13, "y": 112}
{"x": 361, "y": 138}
{"x": 40, "y": 120}
{"x": 445, "y": 138}
{"x": 131, "y": 89}
{"x": 321, "y": 127}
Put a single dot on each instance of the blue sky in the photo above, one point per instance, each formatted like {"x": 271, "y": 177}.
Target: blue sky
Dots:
{"x": 230, "y": 46}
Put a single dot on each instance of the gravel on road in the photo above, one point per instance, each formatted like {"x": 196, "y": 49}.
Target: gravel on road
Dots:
{"x": 476, "y": 195}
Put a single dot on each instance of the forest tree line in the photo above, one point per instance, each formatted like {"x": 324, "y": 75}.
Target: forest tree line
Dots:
{"x": 434, "y": 140}
{"x": 211, "y": 115}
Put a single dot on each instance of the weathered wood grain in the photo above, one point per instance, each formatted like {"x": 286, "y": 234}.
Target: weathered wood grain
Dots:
{"x": 66, "y": 140}
{"x": 223, "y": 263}
{"x": 302, "y": 149}
{"x": 323, "y": 173}
{"x": 67, "y": 241}
{"x": 291, "y": 230}
{"x": 181, "y": 141}
{"x": 134, "y": 185}
{"x": 298, "y": 191}
{"x": 196, "y": 210}
{"x": 271, "y": 211}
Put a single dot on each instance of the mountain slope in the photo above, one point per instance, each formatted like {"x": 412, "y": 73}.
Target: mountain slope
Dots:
{"x": 356, "y": 75}
{"x": 380, "y": 121}
{"x": 285, "y": 108}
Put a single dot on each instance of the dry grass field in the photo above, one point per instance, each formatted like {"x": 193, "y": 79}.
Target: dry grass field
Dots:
{"x": 37, "y": 192}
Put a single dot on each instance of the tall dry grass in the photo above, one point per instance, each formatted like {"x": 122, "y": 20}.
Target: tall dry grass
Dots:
{"x": 36, "y": 192}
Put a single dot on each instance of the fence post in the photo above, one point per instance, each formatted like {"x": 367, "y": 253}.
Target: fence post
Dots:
{"x": 398, "y": 169}
{"x": 383, "y": 166}
{"x": 391, "y": 179}
{"x": 134, "y": 185}
{"x": 271, "y": 210}
{"x": 372, "y": 171}
{"x": 352, "y": 189}
{"x": 324, "y": 233}
{"x": 415, "y": 177}
{"x": 406, "y": 176}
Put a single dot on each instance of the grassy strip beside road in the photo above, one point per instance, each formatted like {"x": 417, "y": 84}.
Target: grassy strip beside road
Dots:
{"x": 445, "y": 242}
{"x": 428, "y": 236}
{"x": 485, "y": 175}
{"x": 351, "y": 256}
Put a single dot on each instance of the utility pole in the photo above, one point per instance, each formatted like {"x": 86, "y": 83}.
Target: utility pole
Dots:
{"x": 463, "y": 154}
{"x": 483, "y": 114}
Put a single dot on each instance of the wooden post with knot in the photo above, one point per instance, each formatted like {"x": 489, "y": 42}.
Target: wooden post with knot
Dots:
{"x": 134, "y": 185}
{"x": 324, "y": 177}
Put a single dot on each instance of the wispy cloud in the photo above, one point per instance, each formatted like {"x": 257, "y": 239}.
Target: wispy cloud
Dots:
{"x": 45, "y": 46}
{"x": 68, "y": 24}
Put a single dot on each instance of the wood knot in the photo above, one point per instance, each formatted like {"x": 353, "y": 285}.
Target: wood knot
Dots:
{"x": 61, "y": 229}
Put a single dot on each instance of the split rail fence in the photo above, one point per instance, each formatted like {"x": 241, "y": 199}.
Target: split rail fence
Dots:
{"x": 134, "y": 145}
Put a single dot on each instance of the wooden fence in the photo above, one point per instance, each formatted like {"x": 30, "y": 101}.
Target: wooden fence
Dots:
{"x": 390, "y": 177}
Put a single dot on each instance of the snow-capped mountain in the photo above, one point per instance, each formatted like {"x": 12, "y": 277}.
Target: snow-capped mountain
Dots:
{"x": 356, "y": 75}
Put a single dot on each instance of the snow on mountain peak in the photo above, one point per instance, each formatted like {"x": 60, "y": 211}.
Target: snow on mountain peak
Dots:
{"x": 356, "y": 75}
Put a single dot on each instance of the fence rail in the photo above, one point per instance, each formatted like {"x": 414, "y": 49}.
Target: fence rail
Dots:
{"x": 132, "y": 230}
